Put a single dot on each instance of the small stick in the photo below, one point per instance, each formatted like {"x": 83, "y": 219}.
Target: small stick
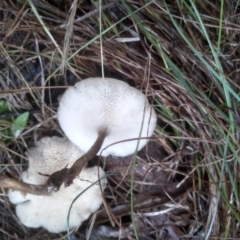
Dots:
{"x": 11, "y": 183}
{"x": 55, "y": 180}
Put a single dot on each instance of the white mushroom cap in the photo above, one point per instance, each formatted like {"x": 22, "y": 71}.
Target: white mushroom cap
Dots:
{"x": 54, "y": 153}
{"x": 50, "y": 212}
{"x": 94, "y": 104}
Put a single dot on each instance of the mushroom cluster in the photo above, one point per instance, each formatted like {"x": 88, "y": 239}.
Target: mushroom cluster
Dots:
{"x": 101, "y": 117}
{"x": 50, "y": 211}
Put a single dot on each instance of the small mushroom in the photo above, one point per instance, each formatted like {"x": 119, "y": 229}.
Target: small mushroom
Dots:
{"x": 50, "y": 211}
{"x": 104, "y": 116}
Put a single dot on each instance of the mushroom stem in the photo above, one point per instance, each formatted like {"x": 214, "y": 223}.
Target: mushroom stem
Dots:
{"x": 11, "y": 183}
{"x": 67, "y": 175}
{"x": 77, "y": 167}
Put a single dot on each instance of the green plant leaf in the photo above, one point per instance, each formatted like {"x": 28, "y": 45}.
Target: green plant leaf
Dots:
{"x": 19, "y": 124}
{"x": 3, "y": 106}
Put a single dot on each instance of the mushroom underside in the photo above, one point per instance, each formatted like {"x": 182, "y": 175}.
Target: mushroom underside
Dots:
{"x": 96, "y": 116}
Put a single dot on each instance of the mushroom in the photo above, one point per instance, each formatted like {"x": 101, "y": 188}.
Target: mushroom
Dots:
{"x": 103, "y": 116}
{"x": 51, "y": 211}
